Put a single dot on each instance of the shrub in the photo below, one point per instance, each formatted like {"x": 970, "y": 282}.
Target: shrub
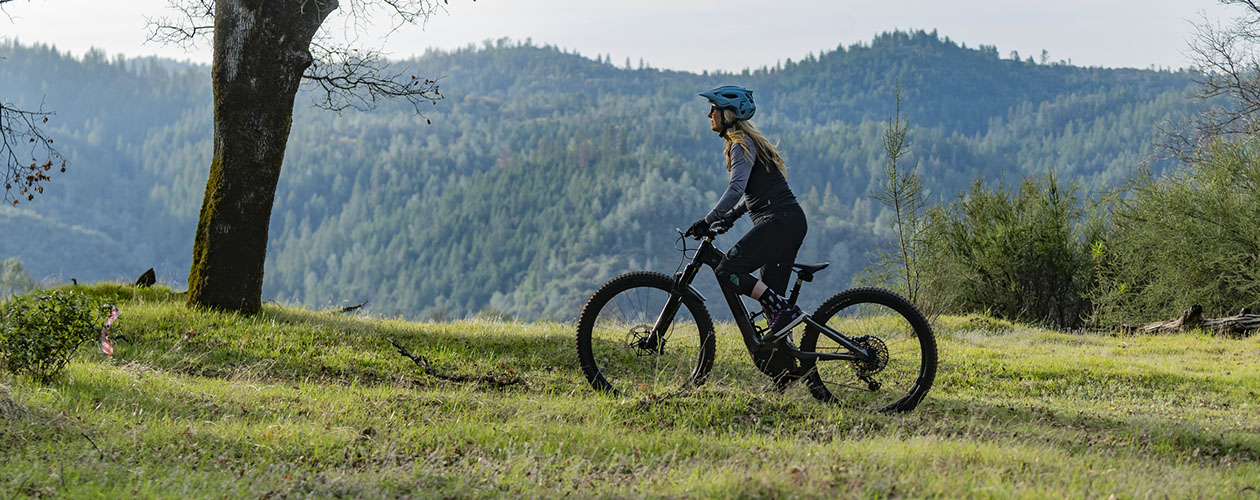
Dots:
{"x": 1015, "y": 255}
{"x": 1190, "y": 237}
{"x": 40, "y": 332}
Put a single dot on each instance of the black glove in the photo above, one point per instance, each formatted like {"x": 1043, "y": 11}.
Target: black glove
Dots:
{"x": 699, "y": 228}
{"x": 726, "y": 221}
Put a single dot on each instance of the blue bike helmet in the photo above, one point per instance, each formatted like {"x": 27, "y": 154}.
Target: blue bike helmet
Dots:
{"x": 733, "y": 97}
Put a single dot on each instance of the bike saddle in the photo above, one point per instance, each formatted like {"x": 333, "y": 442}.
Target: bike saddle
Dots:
{"x": 806, "y": 271}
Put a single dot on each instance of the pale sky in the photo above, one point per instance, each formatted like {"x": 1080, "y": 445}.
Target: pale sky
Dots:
{"x": 697, "y": 35}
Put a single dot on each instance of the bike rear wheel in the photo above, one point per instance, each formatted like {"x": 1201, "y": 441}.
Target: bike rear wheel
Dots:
{"x": 615, "y": 347}
{"x": 878, "y": 320}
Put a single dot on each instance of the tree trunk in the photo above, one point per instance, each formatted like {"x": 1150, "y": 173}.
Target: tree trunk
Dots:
{"x": 1243, "y": 324}
{"x": 261, "y": 50}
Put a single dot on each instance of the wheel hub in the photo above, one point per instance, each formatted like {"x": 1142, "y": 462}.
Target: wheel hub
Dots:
{"x": 639, "y": 338}
{"x": 878, "y": 359}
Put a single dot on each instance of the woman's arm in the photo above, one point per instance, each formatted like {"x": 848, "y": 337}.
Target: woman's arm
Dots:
{"x": 741, "y": 169}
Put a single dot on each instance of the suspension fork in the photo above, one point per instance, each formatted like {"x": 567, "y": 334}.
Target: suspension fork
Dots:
{"x": 655, "y": 340}
{"x": 682, "y": 281}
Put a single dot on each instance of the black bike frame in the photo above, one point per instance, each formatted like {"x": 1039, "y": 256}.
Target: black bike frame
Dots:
{"x": 708, "y": 255}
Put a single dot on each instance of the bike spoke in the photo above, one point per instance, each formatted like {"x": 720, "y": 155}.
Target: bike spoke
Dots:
{"x": 621, "y": 311}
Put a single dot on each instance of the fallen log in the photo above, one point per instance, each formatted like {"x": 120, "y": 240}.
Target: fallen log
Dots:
{"x": 352, "y": 308}
{"x": 1243, "y": 324}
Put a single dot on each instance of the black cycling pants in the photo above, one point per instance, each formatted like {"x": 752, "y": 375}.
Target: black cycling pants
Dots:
{"x": 771, "y": 245}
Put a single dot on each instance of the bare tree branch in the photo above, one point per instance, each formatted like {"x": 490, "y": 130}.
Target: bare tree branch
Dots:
{"x": 359, "y": 78}
{"x": 194, "y": 19}
{"x": 21, "y": 135}
{"x": 353, "y": 79}
{"x": 1227, "y": 58}
{"x": 360, "y": 14}
{"x": 348, "y": 78}
{"x": 193, "y": 23}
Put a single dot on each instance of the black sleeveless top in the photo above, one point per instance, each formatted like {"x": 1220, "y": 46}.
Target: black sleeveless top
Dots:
{"x": 753, "y": 188}
{"x": 767, "y": 190}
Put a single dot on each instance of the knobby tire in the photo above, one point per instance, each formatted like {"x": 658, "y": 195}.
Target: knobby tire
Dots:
{"x": 618, "y": 313}
{"x": 911, "y": 361}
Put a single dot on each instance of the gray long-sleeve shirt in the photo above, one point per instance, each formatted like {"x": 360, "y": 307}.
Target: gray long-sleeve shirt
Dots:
{"x": 733, "y": 199}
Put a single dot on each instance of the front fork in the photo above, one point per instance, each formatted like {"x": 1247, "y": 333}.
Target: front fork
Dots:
{"x": 655, "y": 341}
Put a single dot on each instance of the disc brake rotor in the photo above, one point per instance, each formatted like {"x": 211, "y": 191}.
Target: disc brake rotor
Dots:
{"x": 639, "y": 338}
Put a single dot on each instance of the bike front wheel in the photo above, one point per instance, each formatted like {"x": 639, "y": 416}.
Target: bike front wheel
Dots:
{"x": 886, "y": 324}
{"x": 617, "y": 350}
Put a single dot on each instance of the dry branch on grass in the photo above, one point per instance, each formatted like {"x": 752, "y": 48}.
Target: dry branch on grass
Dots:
{"x": 100, "y": 453}
{"x": 1243, "y": 324}
{"x": 501, "y": 380}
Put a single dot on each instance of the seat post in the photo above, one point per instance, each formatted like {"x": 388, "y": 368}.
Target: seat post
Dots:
{"x": 796, "y": 290}
{"x": 804, "y": 272}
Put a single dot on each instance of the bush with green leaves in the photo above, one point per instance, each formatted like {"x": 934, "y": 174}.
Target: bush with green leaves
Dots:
{"x": 39, "y": 332}
{"x": 1020, "y": 255}
{"x": 1191, "y": 237}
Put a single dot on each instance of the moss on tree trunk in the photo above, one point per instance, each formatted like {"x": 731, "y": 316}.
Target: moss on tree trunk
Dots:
{"x": 261, "y": 49}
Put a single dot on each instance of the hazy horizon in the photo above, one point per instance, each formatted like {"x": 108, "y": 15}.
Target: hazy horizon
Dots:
{"x": 690, "y": 37}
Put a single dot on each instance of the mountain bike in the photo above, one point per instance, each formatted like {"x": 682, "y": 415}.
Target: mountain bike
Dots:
{"x": 646, "y": 332}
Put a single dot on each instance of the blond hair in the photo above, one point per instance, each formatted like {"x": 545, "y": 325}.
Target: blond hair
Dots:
{"x": 739, "y": 132}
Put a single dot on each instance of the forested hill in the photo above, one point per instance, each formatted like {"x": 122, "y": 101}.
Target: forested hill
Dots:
{"x": 543, "y": 172}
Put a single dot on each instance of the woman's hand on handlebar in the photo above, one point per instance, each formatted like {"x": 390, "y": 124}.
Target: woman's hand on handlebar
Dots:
{"x": 701, "y": 228}
{"x": 698, "y": 229}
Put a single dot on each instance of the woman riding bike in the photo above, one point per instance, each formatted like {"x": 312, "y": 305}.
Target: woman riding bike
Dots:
{"x": 758, "y": 186}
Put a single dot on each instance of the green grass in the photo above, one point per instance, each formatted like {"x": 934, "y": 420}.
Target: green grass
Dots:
{"x": 296, "y": 403}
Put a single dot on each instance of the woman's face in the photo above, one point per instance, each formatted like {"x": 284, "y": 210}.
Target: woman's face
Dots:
{"x": 715, "y": 118}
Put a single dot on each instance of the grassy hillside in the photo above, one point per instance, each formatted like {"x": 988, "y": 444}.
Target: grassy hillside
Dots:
{"x": 295, "y": 403}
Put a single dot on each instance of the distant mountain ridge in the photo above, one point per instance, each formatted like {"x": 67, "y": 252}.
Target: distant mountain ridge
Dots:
{"x": 544, "y": 172}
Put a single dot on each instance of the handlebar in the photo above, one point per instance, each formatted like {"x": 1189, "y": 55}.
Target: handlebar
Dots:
{"x": 719, "y": 227}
